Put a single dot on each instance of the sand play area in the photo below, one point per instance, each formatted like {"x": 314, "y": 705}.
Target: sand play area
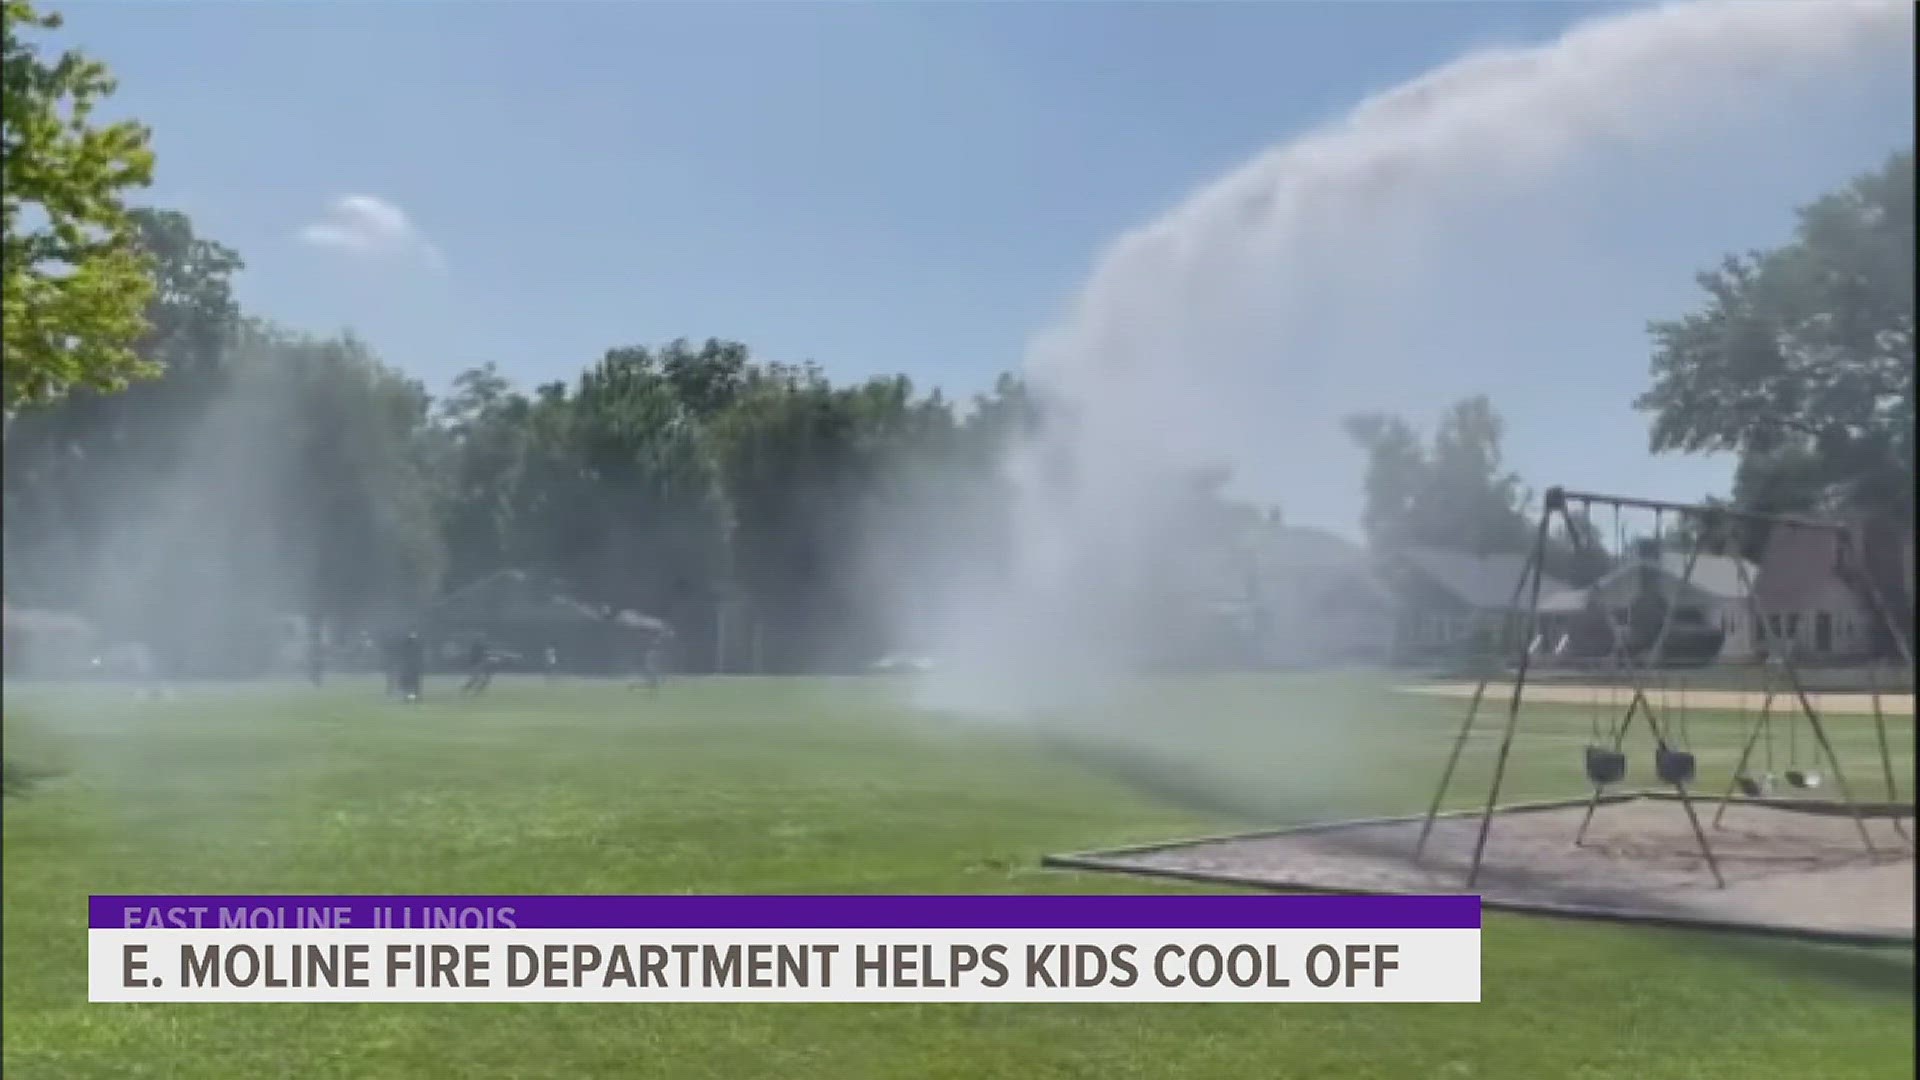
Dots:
{"x": 1849, "y": 704}
{"x": 1791, "y": 870}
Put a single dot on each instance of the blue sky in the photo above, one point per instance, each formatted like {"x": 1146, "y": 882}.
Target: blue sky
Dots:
{"x": 899, "y": 187}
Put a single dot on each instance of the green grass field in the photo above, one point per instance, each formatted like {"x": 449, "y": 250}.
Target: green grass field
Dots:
{"x": 824, "y": 786}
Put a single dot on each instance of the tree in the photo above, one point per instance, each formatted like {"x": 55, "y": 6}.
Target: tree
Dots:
{"x": 483, "y": 439}
{"x": 643, "y": 525}
{"x": 76, "y": 281}
{"x": 357, "y": 515}
{"x": 1801, "y": 360}
{"x": 192, "y": 315}
{"x": 1456, "y": 493}
{"x": 1396, "y": 471}
{"x": 74, "y": 464}
{"x": 783, "y": 451}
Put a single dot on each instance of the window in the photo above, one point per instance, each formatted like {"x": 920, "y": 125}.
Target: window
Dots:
{"x": 1793, "y": 624}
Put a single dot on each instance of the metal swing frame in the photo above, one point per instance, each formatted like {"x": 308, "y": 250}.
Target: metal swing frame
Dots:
{"x": 1709, "y": 518}
{"x": 1762, "y": 726}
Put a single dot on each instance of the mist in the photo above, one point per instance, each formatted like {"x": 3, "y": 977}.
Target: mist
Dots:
{"x": 198, "y": 562}
{"x": 213, "y": 523}
{"x": 1238, "y": 328}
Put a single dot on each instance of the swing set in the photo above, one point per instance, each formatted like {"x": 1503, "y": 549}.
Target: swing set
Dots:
{"x": 1636, "y": 659}
{"x": 1761, "y": 785}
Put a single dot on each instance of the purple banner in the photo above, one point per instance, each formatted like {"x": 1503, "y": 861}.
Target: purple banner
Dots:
{"x": 875, "y": 912}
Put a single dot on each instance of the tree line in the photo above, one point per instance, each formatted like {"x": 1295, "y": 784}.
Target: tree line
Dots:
{"x": 665, "y": 479}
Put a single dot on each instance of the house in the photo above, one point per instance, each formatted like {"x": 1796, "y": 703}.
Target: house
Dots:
{"x": 1319, "y": 600}
{"x": 1711, "y": 617}
{"x": 1455, "y": 603}
{"x": 1262, "y": 594}
{"x": 1885, "y": 552}
{"x": 1814, "y": 595}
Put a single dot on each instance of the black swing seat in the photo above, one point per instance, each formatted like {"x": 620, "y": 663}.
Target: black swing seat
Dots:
{"x": 1674, "y": 766}
{"x": 1800, "y": 779}
{"x": 1606, "y": 765}
{"x": 1754, "y": 787}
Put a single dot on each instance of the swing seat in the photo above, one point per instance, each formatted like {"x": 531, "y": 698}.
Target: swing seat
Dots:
{"x": 1755, "y": 787}
{"x": 1800, "y": 779}
{"x": 1674, "y": 766}
{"x": 1606, "y": 765}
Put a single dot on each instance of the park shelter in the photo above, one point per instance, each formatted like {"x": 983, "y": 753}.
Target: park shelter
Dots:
{"x": 523, "y": 614}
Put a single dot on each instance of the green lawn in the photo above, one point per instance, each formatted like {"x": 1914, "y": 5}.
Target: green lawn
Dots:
{"x": 821, "y": 786}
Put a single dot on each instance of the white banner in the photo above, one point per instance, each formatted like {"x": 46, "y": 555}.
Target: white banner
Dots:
{"x": 787, "y": 965}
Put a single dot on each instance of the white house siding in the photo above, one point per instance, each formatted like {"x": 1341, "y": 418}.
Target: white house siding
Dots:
{"x": 1850, "y": 632}
{"x": 1715, "y": 589}
{"x": 1736, "y": 622}
{"x": 1800, "y": 590}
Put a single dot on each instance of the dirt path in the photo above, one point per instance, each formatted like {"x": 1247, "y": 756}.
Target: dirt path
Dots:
{"x": 1892, "y": 704}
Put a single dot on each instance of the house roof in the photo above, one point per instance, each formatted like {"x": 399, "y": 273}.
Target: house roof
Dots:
{"x": 1294, "y": 547}
{"x": 1479, "y": 581}
{"x": 1716, "y": 575}
{"x": 519, "y": 596}
{"x": 1317, "y": 555}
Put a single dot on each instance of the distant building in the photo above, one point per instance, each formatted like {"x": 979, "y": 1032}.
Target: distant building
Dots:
{"x": 1454, "y": 604}
{"x": 1320, "y": 602}
{"x": 1821, "y": 599}
{"x": 1261, "y": 594}
{"x": 524, "y": 614}
{"x": 1711, "y": 617}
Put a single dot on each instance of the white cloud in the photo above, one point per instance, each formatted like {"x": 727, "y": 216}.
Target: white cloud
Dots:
{"x": 366, "y": 226}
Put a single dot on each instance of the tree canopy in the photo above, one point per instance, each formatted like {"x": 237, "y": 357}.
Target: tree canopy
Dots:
{"x": 1456, "y": 493}
{"x": 1801, "y": 360}
{"x": 76, "y": 279}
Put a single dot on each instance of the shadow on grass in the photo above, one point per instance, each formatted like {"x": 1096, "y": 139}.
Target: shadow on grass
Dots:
{"x": 1871, "y": 969}
{"x": 1292, "y": 793}
{"x": 17, "y": 779}
{"x": 1187, "y": 787}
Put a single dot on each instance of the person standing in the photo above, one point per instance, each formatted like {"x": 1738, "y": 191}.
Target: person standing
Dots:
{"x": 413, "y": 667}
{"x": 653, "y": 658}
